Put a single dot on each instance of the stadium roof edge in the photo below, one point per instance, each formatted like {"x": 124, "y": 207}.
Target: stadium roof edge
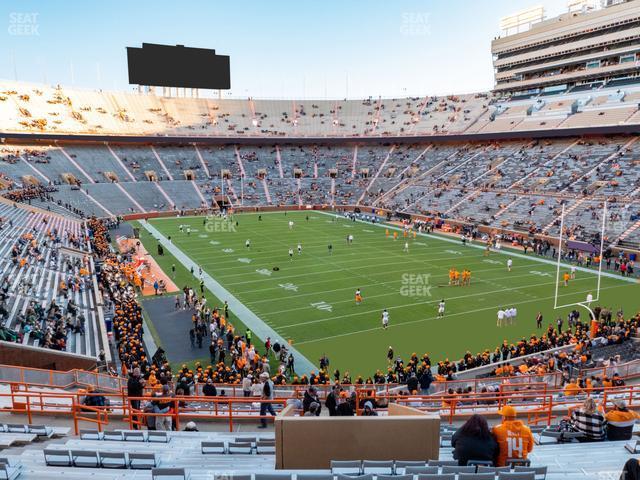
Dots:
{"x": 460, "y": 137}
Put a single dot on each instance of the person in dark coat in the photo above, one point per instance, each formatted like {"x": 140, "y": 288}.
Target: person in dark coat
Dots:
{"x": 474, "y": 441}
{"x": 209, "y": 390}
{"x": 310, "y": 396}
{"x": 344, "y": 408}
{"x": 332, "y": 401}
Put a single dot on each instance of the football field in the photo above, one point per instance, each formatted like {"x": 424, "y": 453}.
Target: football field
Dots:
{"x": 308, "y": 298}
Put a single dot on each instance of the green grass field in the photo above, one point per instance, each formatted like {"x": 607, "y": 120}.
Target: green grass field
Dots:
{"x": 310, "y": 299}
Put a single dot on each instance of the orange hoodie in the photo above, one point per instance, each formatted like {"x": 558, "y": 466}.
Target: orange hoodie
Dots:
{"x": 514, "y": 441}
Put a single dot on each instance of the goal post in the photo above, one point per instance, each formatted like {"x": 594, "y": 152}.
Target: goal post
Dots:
{"x": 559, "y": 265}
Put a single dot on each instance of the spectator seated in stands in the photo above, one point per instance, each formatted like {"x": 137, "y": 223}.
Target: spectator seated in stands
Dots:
{"x": 588, "y": 421}
{"x": 515, "y": 440}
{"x": 474, "y": 441}
{"x": 620, "y": 421}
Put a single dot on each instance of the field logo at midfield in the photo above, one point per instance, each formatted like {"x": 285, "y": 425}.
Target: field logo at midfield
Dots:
{"x": 264, "y": 271}
{"x": 454, "y": 252}
{"x": 322, "y": 306}
{"x": 220, "y": 225}
{"x": 289, "y": 286}
{"x": 415, "y": 285}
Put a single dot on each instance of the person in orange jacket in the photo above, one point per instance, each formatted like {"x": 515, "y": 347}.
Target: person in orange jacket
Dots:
{"x": 514, "y": 438}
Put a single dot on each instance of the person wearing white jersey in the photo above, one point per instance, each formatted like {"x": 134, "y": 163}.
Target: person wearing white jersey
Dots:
{"x": 589, "y": 299}
{"x": 385, "y": 319}
{"x": 299, "y": 249}
{"x": 406, "y": 247}
{"x": 290, "y": 225}
{"x": 291, "y": 253}
{"x": 441, "y": 306}
{"x": 501, "y": 314}
{"x": 247, "y": 244}
{"x": 573, "y": 272}
{"x": 509, "y": 264}
{"x": 514, "y": 313}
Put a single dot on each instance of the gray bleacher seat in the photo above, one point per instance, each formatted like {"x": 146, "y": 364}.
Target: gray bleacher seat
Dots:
{"x": 232, "y": 476}
{"x": 458, "y": 469}
{"x": 40, "y": 430}
{"x": 632, "y": 446}
{"x": 422, "y": 470}
{"x": 251, "y": 440}
{"x": 133, "y": 436}
{"x": 314, "y": 476}
{"x": 354, "y": 477}
{"x": 16, "y": 428}
{"x": 236, "y": 447}
{"x": 476, "y": 463}
{"x": 157, "y": 436}
{"x": 540, "y": 472}
{"x": 85, "y": 458}
{"x": 90, "y": 435}
{"x": 169, "y": 474}
{"x": 142, "y": 461}
{"x": 112, "y": 435}
{"x": 436, "y": 476}
{"x": 401, "y": 464}
{"x": 494, "y": 470}
{"x": 516, "y": 476}
{"x": 516, "y": 462}
{"x": 476, "y": 476}
{"x": 348, "y": 467}
{"x": 394, "y": 477}
{"x": 8, "y": 472}
{"x": 265, "y": 446}
{"x": 113, "y": 459}
{"x": 382, "y": 467}
{"x": 212, "y": 447}
{"x": 57, "y": 458}
{"x": 272, "y": 476}
{"x": 559, "y": 437}
{"x": 442, "y": 463}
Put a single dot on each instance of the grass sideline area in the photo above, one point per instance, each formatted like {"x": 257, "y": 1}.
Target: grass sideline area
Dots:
{"x": 309, "y": 298}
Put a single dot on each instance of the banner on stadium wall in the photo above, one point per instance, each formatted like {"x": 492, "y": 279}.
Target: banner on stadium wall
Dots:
{"x": 582, "y": 246}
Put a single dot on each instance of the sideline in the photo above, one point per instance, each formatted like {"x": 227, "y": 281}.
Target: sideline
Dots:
{"x": 250, "y": 319}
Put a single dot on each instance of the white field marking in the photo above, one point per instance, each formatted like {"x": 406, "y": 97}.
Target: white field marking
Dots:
{"x": 309, "y": 274}
{"x": 349, "y": 288}
{"x": 492, "y": 262}
{"x": 245, "y": 260}
{"x": 264, "y": 271}
{"x": 288, "y": 286}
{"x": 324, "y": 306}
{"x": 454, "y": 252}
{"x": 368, "y": 231}
{"x": 214, "y": 242}
{"x": 359, "y": 258}
{"x": 350, "y": 300}
{"x": 203, "y": 235}
{"x": 420, "y": 320}
{"x": 540, "y": 274}
{"x": 359, "y": 261}
{"x": 506, "y": 251}
{"x": 369, "y": 312}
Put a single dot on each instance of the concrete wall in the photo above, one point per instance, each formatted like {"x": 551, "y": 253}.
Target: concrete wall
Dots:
{"x": 312, "y": 442}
